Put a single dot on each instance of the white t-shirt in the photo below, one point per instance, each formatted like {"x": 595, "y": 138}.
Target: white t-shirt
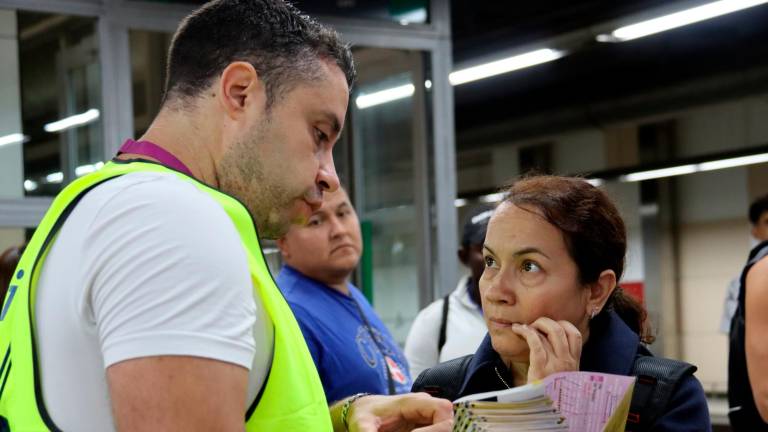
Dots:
{"x": 464, "y": 331}
{"x": 145, "y": 265}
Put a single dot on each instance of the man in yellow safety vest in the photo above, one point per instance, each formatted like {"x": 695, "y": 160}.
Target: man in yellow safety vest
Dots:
{"x": 143, "y": 301}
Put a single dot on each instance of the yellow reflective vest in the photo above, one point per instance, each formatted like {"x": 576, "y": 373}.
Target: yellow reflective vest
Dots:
{"x": 292, "y": 397}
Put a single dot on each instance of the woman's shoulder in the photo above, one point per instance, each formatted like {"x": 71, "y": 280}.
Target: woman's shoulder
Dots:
{"x": 445, "y": 379}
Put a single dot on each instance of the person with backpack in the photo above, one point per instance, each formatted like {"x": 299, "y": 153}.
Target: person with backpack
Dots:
{"x": 453, "y": 326}
{"x": 554, "y": 253}
{"x": 748, "y": 352}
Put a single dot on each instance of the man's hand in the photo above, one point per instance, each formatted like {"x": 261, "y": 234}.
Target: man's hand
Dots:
{"x": 555, "y": 346}
{"x": 414, "y": 411}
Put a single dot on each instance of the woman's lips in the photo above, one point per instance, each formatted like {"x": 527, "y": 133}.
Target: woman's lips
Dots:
{"x": 500, "y": 323}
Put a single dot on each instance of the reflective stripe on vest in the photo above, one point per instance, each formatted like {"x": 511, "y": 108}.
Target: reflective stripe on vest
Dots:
{"x": 292, "y": 398}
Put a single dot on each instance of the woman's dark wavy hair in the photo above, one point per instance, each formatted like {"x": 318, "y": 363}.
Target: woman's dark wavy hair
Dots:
{"x": 283, "y": 45}
{"x": 594, "y": 234}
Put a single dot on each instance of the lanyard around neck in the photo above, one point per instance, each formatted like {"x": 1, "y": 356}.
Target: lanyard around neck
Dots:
{"x": 150, "y": 149}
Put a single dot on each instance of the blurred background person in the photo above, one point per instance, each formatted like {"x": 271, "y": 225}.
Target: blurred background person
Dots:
{"x": 352, "y": 349}
{"x": 748, "y": 354}
{"x": 554, "y": 254}
{"x": 8, "y": 261}
{"x": 453, "y": 326}
{"x": 758, "y": 217}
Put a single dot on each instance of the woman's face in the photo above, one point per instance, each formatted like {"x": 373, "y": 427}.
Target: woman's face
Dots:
{"x": 528, "y": 274}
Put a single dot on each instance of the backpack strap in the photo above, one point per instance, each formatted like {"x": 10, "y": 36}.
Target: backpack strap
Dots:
{"x": 445, "y": 379}
{"x": 657, "y": 380}
{"x": 443, "y": 324}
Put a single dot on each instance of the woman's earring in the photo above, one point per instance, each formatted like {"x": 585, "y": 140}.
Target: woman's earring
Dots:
{"x": 595, "y": 311}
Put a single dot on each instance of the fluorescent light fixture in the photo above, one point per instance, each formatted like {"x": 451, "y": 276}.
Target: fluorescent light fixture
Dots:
{"x": 504, "y": 65}
{"x": 14, "y": 138}
{"x": 76, "y": 120}
{"x": 697, "y": 167}
{"x": 418, "y": 15}
{"x": 678, "y": 19}
{"x": 428, "y": 84}
{"x": 86, "y": 169}
{"x": 596, "y": 182}
{"x": 459, "y": 202}
{"x": 30, "y": 185}
{"x": 493, "y": 198}
{"x": 56, "y": 177}
{"x": 384, "y": 96}
{"x": 733, "y": 162}
{"x": 658, "y": 173}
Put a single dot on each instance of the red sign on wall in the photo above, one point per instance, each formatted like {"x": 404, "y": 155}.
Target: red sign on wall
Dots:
{"x": 635, "y": 290}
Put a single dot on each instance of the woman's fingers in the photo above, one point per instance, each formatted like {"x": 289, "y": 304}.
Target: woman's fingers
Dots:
{"x": 555, "y": 334}
{"x": 574, "y": 338}
{"x": 540, "y": 349}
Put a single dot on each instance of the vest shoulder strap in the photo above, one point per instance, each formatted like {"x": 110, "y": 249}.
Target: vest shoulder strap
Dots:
{"x": 443, "y": 324}
{"x": 445, "y": 379}
{"x": 657, "y": 380}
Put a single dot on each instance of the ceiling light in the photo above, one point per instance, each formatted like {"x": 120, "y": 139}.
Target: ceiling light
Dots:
{"x": 733, "y": 162}
{"x": 14, "y": 138}
{"x": 56, "y": 177}
{"x": 73, "y": 121}
{"x": 492, "y": 198}
{"x": 30, "y": 185}
{"x": 659, "y": 173}
{"x": 384, "y": 96}
{"x": 505, "y": 65}
{"x": 89, "y": 168}
{"x": 459, "y": 202}
{"x": 678, "y": 19}
{"x": 596, "y": 182}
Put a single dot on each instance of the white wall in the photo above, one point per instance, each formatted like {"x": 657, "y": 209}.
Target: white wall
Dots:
{"x": 11, "y": 159}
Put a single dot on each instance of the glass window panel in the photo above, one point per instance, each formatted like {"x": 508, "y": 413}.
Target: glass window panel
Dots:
{"x": 50, "y": 82}
{"x": 385, "y": 134}
{"x": 149, "y": 53}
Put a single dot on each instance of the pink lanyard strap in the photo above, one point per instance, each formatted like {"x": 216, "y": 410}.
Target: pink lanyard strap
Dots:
{"x": 150, "y": 149}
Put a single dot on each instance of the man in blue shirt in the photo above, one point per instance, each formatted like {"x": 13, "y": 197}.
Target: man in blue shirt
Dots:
{"x": 352, "y": 349}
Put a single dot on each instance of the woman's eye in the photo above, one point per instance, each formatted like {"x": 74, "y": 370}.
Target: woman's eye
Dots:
{"x": 489, "y": 261}
{"x": 530, "y": 267}
{"x": 313, "y": 222}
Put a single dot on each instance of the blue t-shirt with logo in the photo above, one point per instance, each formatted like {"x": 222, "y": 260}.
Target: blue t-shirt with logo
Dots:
{"x": 347, "y": 358}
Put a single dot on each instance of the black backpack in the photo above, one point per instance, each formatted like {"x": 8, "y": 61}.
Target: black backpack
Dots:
{"x": 657, "y": 380}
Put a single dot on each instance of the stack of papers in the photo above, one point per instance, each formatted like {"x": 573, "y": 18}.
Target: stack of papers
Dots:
{"x": 566, "y": 401}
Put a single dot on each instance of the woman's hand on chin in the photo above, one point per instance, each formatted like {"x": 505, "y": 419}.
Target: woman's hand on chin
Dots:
{"x": 555, "y": 346}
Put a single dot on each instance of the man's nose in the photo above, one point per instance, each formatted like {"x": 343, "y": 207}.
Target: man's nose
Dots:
{"x": 327, "y": 178}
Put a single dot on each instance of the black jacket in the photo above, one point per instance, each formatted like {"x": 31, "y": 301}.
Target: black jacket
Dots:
{"x": 611, "y": 348}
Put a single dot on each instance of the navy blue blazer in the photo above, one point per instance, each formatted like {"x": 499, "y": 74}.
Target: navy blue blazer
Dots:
{"x": 611, "y": 348}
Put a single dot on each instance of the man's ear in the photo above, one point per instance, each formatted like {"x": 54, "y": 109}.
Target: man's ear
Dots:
{"x": 600, "y": 291}
{"x": 240, "y": 86}
{"x": 284, "y": 248}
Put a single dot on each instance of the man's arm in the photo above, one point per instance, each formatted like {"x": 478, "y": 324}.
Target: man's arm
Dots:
{"x": 756, "y": 329}
{"x": 177, "y": 393}
{"x": 174, "y": 310}
{"x": 413, "y": 411}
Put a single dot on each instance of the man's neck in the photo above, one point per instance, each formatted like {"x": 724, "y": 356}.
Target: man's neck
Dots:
{"x": 341, "y": 287}
{"x": 182, "y": 136}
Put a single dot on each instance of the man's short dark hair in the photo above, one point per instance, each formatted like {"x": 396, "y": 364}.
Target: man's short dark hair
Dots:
{"x": 283, "y": 45}
{"x": 758, "y": 207}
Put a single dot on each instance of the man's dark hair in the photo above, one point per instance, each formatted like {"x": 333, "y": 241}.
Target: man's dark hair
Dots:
{"x": 757, "y": 208}
{"x": 283, "y": 45}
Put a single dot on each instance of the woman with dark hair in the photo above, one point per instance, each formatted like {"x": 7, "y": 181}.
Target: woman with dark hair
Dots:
{"x": 554, "y": 253}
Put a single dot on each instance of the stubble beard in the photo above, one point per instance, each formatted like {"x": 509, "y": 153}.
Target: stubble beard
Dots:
{"x": 243, "y": 175}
